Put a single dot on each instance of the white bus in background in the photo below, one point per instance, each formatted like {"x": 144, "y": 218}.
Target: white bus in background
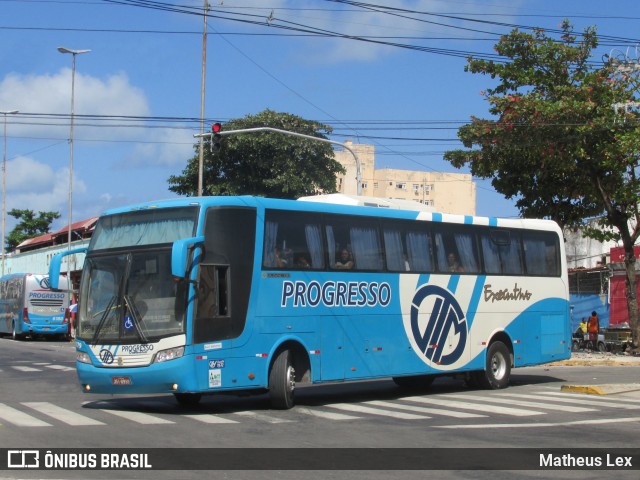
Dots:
{"x": 28, "y": 306}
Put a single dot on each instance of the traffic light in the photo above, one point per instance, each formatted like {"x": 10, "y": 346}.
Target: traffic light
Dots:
{"x": 216, "y": 128}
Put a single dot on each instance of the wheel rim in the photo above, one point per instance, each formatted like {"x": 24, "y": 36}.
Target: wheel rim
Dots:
{"x": 291, "y": 379}
{"x": 498, "y": 366}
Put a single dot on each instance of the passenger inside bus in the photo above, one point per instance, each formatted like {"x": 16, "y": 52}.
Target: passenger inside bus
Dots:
{"x": 344, "y": 262}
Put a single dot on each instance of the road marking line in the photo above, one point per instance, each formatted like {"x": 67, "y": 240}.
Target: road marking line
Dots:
{"x": 138, "y": 417}
{"x": 593, "y": 401}
{"x": 66, "y": 416}
{"x": 25, "y": 369}
{"x": 434, "y": 411}
{"x": 208, "y": 418}
{"x": 622, "y": 400}
{"x": 600, "y": 421}
{"x": 376, "y": 411}
{"x": 327, "y": 415}
{"x": 523, "y": 403}
{"x": 261, "y": 417}
{"x": 64, "y": 368}
{"x": 20, "y": 419}
{"x": 516, "y": 412}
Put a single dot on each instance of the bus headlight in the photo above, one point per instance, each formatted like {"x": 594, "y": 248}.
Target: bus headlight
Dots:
{"x": 169, "y": 354}
{"x": 83, "y": 357}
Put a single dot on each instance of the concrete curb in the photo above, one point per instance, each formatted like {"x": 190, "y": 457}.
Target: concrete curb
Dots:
{"x": 606, "y": 389}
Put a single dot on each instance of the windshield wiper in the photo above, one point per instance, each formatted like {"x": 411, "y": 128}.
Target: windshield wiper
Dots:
{"x": 105, "y": 314}
{"x": 137, "y": 318}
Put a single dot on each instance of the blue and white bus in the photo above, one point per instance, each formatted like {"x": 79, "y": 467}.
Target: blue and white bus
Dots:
{"x": 28, "y": 307}
{"x": 229, "y": 294}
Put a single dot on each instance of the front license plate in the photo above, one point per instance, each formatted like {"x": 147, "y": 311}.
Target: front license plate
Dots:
{"x": 121, "y": 380}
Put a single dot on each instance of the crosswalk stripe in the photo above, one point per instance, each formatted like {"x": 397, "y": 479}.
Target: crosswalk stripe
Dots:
{"x": 417, "y": 409}
{"x": 624, "y": 401}
{"x": 574, "y": 400}
{"x": 516, "y": 412}
{"x": 66, "y": 416}
{"x": 207, "y": 418}
{"x": 595, "y": 421}
{"x": 64, "y": 368}
{"x": 376, "y": 411}
{"x": 261, "y": 417}
{"x": 327, "y": 415}
{"x": 138, "y": 417}
{"x": 523, "y": 403}
{"x": 20, "y": 419}
{"x": 22, "y": 368}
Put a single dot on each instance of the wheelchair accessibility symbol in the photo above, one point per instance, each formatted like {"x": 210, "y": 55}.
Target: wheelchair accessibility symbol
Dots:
{"x": 441, "y": 322}
{"x": 128, "y": 323}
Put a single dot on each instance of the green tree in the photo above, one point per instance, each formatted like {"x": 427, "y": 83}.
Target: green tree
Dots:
{"x": 555, "y": 142}
{"x": 264, "y": 163}
{"x": 29, "y": 226}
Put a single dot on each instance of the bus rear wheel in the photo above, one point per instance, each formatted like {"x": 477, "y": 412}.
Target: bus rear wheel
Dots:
{"x": 282, "y": 382}
{"x": 497, "y": 368}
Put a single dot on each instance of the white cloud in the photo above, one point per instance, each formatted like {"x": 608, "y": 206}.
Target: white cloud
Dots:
{"x": 51, "y": 94}
{"x": 36, "y": 186}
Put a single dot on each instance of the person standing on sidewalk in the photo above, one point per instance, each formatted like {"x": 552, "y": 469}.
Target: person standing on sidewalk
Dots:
{"x": 594, "y": 329}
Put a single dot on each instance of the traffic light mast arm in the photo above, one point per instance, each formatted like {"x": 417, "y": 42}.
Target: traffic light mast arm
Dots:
{"x": 296, "y": 134}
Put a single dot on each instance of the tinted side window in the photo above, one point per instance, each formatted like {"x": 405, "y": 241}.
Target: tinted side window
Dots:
{"x": 292, "y": 240}
{"x": 353, "y": 243}
{"x": 502, "y": 252}
{"x": 408, "y": 248}
{"x": 456, "y": 250}
{"x": 542, "y": 253}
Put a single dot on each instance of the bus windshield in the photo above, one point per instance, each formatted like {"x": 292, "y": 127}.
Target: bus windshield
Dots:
{"x": 132, "y": 298}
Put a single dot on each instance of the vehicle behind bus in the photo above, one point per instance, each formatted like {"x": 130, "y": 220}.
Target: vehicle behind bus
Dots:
{"x": 29, "y": 307}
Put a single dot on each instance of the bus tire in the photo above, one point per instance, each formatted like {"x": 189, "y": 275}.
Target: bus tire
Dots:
{"x": 188, "y": 399}
{"x": 602, "y": 347}
{"x": 14, "y": 334}
{"x": 497, "y": 367}
{"x": 282, "y": 382}
{"x": 414, "y": 382}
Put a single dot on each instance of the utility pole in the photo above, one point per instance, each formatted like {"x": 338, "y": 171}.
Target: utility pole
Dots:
{"x": 202, "y": 91}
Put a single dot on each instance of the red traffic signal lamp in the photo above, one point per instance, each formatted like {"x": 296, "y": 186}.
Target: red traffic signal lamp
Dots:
{"x": 216, "y": 128}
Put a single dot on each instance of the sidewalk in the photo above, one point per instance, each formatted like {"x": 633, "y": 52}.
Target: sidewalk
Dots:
{"x": 589, "y": 358}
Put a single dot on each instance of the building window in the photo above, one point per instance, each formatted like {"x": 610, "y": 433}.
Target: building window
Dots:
{"x": 375, "y": 185}
{"x": 401, "y": 185}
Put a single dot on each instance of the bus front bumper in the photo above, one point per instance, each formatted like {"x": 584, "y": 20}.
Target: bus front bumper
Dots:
{"x": 167, "y": 377}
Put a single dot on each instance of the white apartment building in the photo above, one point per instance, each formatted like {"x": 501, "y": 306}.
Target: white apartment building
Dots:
{"x": 445, "y": 192}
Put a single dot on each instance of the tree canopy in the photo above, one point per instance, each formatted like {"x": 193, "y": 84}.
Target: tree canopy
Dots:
{"x": 555, "y": 141}
{"x": 29, "y": 226}
{"x": 264, "y": 163}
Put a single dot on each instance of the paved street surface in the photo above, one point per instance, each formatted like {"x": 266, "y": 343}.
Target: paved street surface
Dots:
{"x": 41, "y": 406}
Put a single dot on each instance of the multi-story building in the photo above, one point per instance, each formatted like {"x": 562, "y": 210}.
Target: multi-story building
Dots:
{"x": 445, "y": 192}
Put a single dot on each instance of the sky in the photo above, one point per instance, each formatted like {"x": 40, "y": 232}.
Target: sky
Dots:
{"x": 400, "y": 84}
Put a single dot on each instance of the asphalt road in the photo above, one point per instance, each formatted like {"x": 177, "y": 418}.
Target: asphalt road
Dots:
{"x": 42, "y": 407}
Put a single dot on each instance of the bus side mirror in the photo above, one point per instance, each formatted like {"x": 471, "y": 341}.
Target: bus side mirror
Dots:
{"x": 180, "y": 255}
{"x": 56, "y": 262}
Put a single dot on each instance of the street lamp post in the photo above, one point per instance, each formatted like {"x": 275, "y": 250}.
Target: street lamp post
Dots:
{"x": 4, "y": 180}
{"x": 73, "y": 82}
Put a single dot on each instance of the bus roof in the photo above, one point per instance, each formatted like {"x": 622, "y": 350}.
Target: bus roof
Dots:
{"x": 304, "y": 204}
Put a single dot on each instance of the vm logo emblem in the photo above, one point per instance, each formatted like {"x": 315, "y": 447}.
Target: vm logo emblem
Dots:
{"x": 445, "y": 316}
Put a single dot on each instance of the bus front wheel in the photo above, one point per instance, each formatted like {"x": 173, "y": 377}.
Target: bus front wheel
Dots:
{"x": 282, "y": 381}
{"x": 497, "y": 368}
